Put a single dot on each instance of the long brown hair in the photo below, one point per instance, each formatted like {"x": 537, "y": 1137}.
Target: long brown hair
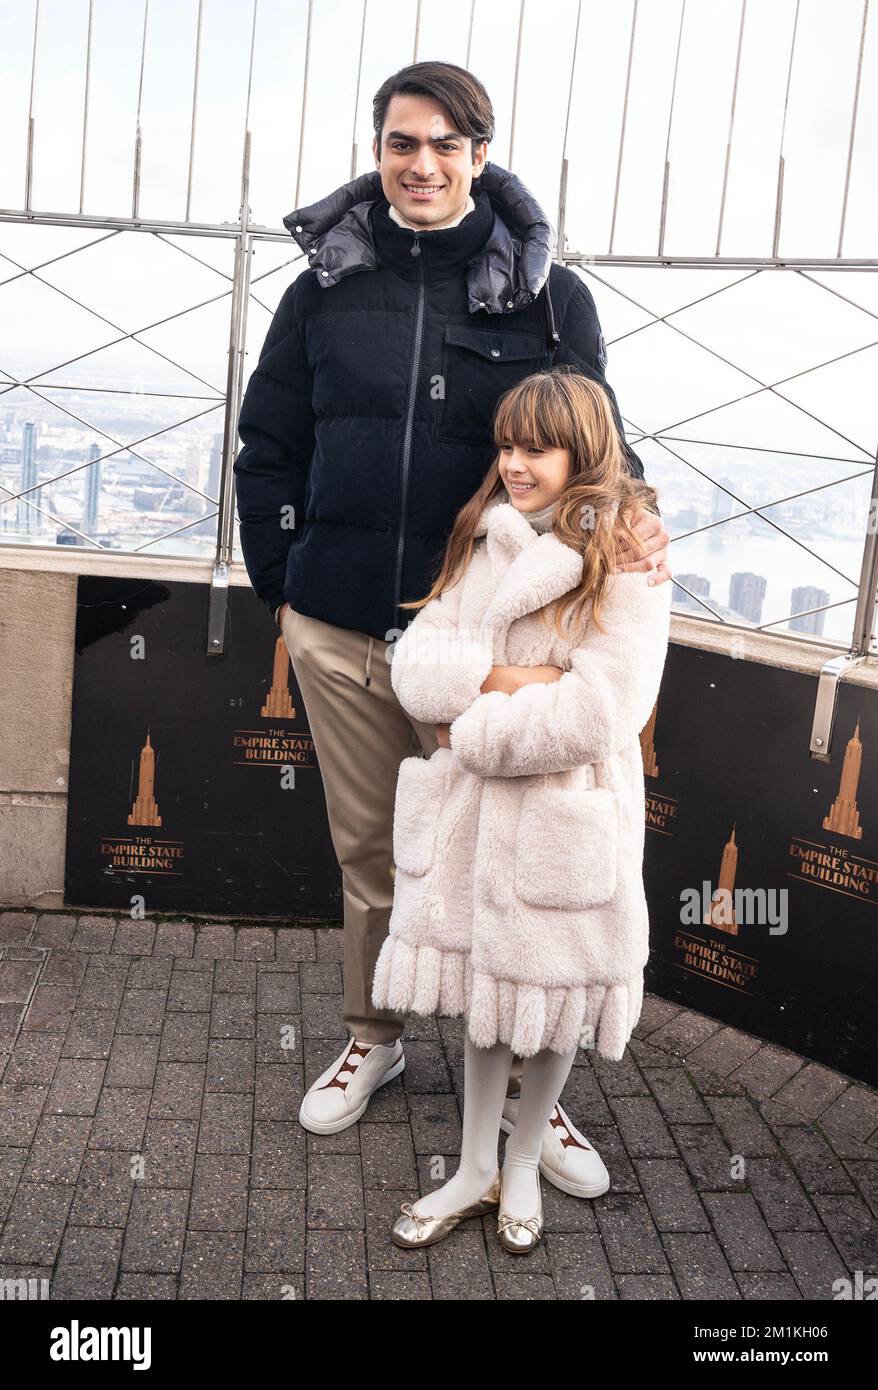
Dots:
{"x": 561, "y": 409}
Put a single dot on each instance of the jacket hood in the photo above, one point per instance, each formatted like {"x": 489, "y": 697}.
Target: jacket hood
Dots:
{"x": 507, "y": 272}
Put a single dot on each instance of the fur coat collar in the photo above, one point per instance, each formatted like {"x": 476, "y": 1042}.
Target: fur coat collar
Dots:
{"x": 531, "y": 568}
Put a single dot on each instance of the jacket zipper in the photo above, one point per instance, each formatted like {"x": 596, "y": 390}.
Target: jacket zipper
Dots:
{"x": 407, "y": 438}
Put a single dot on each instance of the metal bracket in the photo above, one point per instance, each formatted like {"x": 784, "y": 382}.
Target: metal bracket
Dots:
{"x": 827, "y": 699}
{"x": 218, "y": 608}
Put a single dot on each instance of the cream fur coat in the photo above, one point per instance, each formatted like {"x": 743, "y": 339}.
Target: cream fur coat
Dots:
{"x": 518, "y": 899}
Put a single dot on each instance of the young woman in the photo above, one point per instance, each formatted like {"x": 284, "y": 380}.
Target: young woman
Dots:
{"x": 518, "y": 891}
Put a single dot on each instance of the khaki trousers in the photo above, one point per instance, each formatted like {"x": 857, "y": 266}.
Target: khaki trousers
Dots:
{"x": 361, "y": 735}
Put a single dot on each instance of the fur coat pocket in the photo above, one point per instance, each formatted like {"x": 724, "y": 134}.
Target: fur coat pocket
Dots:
{"x": 566, "y": 846}
{"x": 420, "y": 793}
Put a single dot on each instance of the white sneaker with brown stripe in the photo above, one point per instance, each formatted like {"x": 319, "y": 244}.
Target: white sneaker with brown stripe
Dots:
{"x": 340, "y": 1094}
{"x": 567, "y": 1159}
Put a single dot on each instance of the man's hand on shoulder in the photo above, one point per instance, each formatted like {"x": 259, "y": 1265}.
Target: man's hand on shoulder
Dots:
{"x": 650, "y": 532}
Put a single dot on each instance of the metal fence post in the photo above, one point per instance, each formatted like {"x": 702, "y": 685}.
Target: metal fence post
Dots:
{"x": 218, "y": 603}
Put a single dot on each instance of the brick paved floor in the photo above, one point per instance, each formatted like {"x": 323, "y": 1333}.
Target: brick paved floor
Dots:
{"x": 149, "y": 1145}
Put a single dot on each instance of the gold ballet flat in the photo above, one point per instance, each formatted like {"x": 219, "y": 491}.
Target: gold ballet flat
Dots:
{"x": 411, "y": 1230}
{"x": 517, "y": 1236}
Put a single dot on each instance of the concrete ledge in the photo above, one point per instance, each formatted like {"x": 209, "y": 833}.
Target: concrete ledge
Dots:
{"x": 789, "y": 651}
{"x": 806, "y": 655}
{"x": 76, "y": 559}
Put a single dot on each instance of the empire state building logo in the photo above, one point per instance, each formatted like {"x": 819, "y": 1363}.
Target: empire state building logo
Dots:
{"x": 721, "y": 912}
{"x": 144, "y": 810}
{"x": 647, "y": 745}
{"x": 278, "y": 702}
{"x": 844, "y": 817}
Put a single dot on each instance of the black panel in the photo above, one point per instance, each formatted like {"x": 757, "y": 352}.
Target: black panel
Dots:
{"x": 233, "y": 839}
{"x": 731, "y": 743}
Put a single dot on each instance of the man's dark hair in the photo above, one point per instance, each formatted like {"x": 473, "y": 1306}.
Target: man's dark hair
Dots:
{"x": 462, "y": 95}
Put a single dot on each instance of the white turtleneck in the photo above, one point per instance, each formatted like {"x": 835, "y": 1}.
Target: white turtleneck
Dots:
{"x": 541, "y": 520}
{"x": 400, "y": 220}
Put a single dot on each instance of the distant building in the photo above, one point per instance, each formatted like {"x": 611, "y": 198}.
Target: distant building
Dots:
{"x": 695, "y": 584}
{"x": 803, "y": 598}
{"x": 29, "y": 519}
{"x": 92, "y": 490}
{"x": 746, "y": 595}
{"x": 214, "y": 469}
{"x": 724, "y": 506}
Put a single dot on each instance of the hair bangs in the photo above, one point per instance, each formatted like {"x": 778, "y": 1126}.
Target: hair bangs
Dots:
{"x": 533, "y": 415}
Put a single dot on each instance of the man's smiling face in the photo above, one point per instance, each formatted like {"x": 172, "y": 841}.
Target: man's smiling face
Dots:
{"x": 426, "y": 165}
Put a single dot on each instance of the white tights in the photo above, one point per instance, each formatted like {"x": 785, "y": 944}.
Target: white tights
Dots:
{"x": 486, "y": 1076}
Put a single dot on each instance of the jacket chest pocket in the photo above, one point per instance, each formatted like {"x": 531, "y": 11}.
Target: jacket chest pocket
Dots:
{"x": 420, "y": 794}
{"x": 478, "y": 366}
{"x": 566, "y": 846}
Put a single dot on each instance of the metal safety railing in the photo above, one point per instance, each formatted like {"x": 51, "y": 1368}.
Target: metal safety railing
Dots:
{"x": 244, "y": 235}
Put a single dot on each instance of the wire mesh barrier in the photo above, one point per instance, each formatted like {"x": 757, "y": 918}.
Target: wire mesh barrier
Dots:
{"x": 727, "y": 224}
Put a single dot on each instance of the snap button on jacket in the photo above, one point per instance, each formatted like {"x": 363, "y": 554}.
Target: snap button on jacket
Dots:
{"x": 519, "y": 900}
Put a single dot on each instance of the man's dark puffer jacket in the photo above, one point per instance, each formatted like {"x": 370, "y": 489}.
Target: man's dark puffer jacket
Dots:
{"x": 355, "y": 462}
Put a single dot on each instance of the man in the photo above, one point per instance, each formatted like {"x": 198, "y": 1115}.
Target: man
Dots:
{"x": 366, "y": 425}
